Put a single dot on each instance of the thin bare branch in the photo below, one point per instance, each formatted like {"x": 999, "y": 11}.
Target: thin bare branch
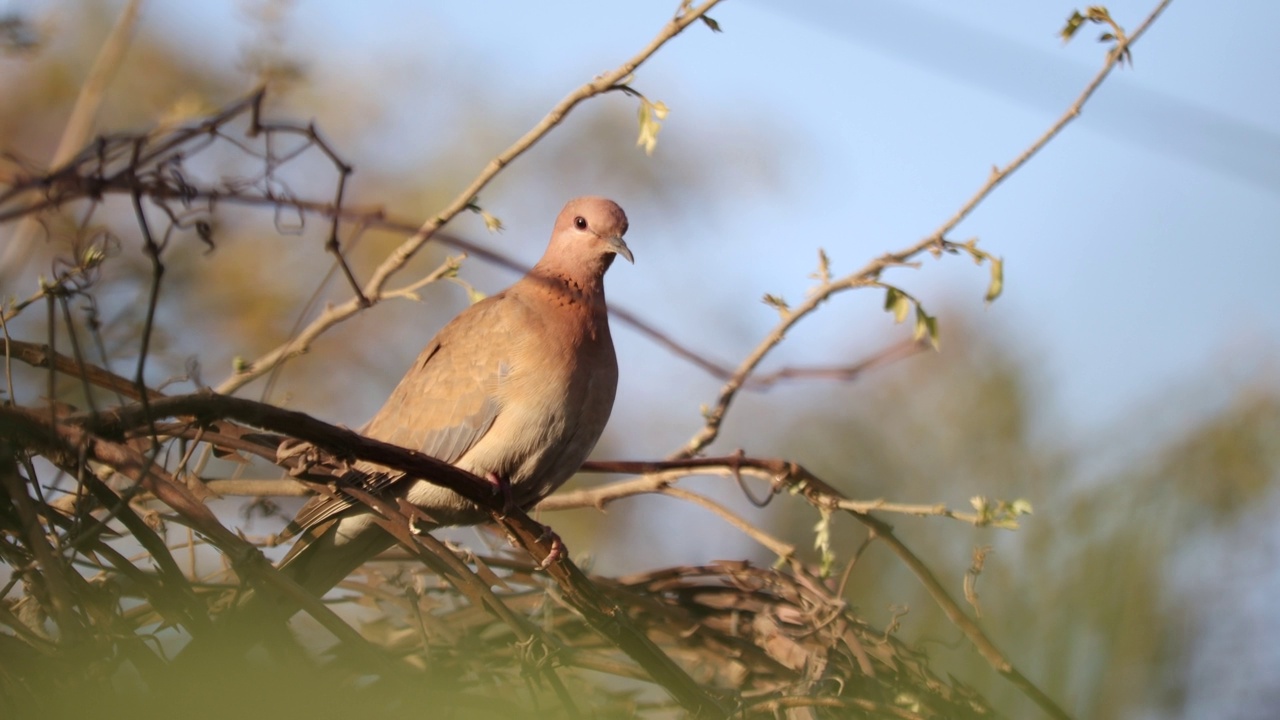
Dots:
{"x": 606, "y": 617}
{"x": 78, "y": 130}
{"x": 373, "y": 289}
{"x": 870, "y": 273}
{"x": 784, "y": 551}
{"x": 998, "y": 175}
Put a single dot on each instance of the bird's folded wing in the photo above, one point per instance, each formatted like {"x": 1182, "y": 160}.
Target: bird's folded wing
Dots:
{"x": 442, "y": 407}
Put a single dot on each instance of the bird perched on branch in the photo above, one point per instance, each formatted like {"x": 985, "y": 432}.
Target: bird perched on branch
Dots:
{"x": 516, "y": 389}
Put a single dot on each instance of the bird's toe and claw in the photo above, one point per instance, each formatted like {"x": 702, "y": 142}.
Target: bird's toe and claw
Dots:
{"x": 558, "y": 550}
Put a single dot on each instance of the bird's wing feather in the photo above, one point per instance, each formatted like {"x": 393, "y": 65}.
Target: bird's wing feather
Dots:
{"x": 442, "y": 407}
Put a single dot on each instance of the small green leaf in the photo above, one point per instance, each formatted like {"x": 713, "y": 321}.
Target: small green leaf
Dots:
{"x": 999, "y": 513}
{"x": 492, "y": 223}
{"x": 651, "y": 116}
{"x": 715, "y": 26}
{"x": 451, "y": 265}
{"x": 1073, "y": 25}
{"x": 926, "y": 324}
{"x": 473, "y": 295}
{"x": 897, "y": 302}
{"x": 997, "y": 279}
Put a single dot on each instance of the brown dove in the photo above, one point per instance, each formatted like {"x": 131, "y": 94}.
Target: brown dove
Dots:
{"x": 516, "y": 389}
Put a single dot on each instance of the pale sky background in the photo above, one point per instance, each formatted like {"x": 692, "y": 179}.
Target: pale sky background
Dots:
{"x": 1141, "y": 246}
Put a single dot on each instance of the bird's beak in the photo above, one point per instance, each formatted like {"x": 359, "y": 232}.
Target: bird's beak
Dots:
{"x": 619, "y": 247}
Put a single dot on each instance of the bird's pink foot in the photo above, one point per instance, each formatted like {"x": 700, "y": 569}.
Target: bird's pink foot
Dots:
{"x": 503, "y": 486}
{"x": 558, "y": 549}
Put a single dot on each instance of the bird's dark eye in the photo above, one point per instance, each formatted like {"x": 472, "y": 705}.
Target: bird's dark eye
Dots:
{"x": 580, "y": 223}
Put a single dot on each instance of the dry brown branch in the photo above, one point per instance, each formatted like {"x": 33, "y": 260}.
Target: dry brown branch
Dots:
{"x": 821, "y": 494}
{"x": 398, "y": 520}
{"x": 656, "y": 477}
{"x": 602, "y": 614}
{"x": 784, "y": 551}
{"x": 63, "y": 443}
{"x": 204, "y": 408}
{"x": 207, "y": 407}
{"x": 42, "y": 356}
{"x": 74, "y": 186}
{"x": 782, "y": 474}
{"x": 649, "y": 482}
{"x": 806, "y": 632}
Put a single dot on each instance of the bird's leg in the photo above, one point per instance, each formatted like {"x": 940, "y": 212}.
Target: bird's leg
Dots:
{"x": 503, "y": 486}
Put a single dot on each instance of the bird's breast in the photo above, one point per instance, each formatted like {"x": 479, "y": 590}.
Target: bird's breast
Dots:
{"x": 554, "y": 401}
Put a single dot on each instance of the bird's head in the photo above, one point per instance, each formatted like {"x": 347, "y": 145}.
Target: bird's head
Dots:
{"x": 588, "y": 234}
